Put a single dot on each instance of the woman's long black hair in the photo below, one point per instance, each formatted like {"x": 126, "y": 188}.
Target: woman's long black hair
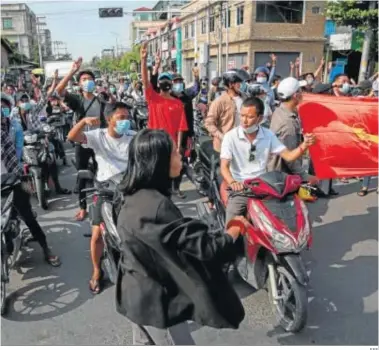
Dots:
{"x": 148, "y": 163}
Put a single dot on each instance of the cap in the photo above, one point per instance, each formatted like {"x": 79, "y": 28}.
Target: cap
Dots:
{"x": 262, "y": 69}
{"x": 165, "y": 75}
{"x": 289, "y": 86}
{"x": 177, "y": 77}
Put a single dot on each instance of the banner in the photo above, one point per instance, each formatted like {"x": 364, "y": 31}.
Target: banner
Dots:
{"x": 346, "y": 130}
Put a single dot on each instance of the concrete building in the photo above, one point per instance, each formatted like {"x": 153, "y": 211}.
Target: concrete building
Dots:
{"x": 141, "y": 23}
{"x": 46, "y": 44}
{"x": 173, "y": 8}
{"x": 19, "y": 26}
{"x": 246, "y": 32}
{"x": 6, "y": 52}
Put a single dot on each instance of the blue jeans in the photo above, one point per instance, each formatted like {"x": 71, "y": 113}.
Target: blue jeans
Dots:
{"x": 366, "y": 181}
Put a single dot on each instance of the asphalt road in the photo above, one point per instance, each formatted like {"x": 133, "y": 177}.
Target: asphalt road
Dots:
{"x": 50, "y": 306}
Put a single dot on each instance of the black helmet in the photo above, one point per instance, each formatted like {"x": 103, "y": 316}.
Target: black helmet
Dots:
{"x": 235, "y": 76}
{"x": 216, "y": 81}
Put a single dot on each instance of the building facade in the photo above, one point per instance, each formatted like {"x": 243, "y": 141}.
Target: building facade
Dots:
{"x": 229, "y": 34}
{"x": 46, "y": 44}
{"x": 19, "y": 26}
{"x": 6, "y": 51}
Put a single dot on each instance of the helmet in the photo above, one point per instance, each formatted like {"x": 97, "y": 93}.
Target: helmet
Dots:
{"x": 235, "y": 76}
{"x": 165, "y": 75}
{"x": 262, "y": 69}
{"x": 216, "y": 81}
{"x": 7, "y": 98}
{"x": 177, "y": 77}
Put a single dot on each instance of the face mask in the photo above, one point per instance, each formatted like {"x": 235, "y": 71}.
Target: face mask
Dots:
{"x": 122, "y": 126}
{"x": 251, "y": 129}
{"x": 89, "y": 86}
{"x": 6, "y": 111}
{"x": 178, "y": 87}
{"x": 112, "y": 90}
{"x": 261, "y": 80}
{"x": 345, "y": 88}
{"x": 310, "y": 81}
{"x": 26, "y": 106}
{"x": 76, "y": 88}
{"x": 165, "y": 86}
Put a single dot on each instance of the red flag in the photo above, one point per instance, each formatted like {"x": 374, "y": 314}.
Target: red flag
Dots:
{"x": 346, "y": 129}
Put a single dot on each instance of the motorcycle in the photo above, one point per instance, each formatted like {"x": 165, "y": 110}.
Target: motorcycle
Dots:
{"x": 12, "y": 237}
{"x": 269, "y": 251}
{"x": 57, "y": 135}
{"x": 39, "y": 151}
{"x": 140, "y": 113}
{"x": 112, "y": 242}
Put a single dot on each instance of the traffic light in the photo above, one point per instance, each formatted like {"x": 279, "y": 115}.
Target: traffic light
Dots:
{"x": 111, "y": 12}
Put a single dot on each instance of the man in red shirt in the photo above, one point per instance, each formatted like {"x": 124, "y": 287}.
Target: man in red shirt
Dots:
{"x": 165, "y": 111}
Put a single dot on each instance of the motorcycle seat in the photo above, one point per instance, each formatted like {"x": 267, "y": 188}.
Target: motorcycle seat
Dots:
{"x": 8, "y": 180}
{"x": 206, "y": 151}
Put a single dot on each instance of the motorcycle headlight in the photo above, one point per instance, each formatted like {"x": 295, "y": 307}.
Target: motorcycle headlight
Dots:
{"x": 280, "y": 241}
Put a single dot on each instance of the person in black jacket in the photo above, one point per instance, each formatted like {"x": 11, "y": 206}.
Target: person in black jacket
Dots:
{"x": 186, "y": 95}
{"x": 171, "y": 267}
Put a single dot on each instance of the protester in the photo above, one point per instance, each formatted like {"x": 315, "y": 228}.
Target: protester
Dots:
{"x": 84, "y": 105}
{"x": 216, "y": 90}
{"x": 223, "y": 114}
{"x": 245, "y": 153}
{"x": 165, "y": 111}
{"x": 110, "y": 147}
{"x": 311, "y": 78}
{"x": 171, "y": 267}
{"x": 21, "y": 199}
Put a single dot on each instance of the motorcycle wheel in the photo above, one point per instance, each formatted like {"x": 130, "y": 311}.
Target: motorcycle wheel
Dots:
{"x": 4, "y": 280}
{"x": 41, "y": 193}
{"x": 109, "y": 267}
{"x": 292, "y": 310}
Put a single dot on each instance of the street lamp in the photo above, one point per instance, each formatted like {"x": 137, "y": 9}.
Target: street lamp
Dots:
{"x": 116, "y": 35}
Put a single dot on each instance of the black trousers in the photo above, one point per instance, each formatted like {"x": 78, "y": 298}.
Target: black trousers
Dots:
{"x": 178, "y": 180}
{"x": 21, "y": 203}
{"x": 83, "y": 155}
{"x": 52, "y": 171}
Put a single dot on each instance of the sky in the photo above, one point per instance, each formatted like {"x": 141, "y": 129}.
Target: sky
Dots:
{"x": 77, "y": 23}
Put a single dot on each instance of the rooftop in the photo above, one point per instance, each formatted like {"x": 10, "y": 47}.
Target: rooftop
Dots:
{"x": 142, "y": 9}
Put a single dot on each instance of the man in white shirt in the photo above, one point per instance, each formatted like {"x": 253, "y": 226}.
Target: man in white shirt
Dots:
{"x": 110, "y": 147}
{"x": 245, "y": 152}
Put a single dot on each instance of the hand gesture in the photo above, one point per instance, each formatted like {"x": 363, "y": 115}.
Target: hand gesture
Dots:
{"x": 313, "y": 180}
{"x": 92, "y": 121}
{"x": 158, "y": 58}
{"x": 77, "y": 64}
{"x": 195, "y": 71}
{"x": 273, "y": 58}
{"x": 297, "y": 62}
{"x": 143, "y": 51}
{"x": 236, "y": 186}
{"x": 322, "y": 62}
{"x": 309, "y": 140}
{"x": 55, "y": 75}
{"x": 292, "y": 65}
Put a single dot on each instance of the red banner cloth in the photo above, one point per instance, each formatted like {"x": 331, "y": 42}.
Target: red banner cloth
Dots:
{"x": 346, "y": 130}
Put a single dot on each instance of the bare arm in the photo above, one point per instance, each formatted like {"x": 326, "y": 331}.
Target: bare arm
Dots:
{"x": 319, "y": 69}
{"x": 290, "y": 156}
{"x": 76, "y": 133}
{"x": 158, "y": 61}
{"x": 63, "y": 83}
{"x": 292, "y": 67}
{"x": 144, "y": 72}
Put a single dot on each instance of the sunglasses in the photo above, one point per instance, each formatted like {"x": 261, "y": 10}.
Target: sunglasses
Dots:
{"x": 253, "y": 148}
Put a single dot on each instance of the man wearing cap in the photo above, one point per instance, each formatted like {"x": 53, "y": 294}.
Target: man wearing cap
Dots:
{"x": 165, "y": 111}
{"x": 285, "y": 124}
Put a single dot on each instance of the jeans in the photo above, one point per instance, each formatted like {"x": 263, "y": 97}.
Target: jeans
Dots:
{"x": 21, "y": 203}
{"x": 175, "y": 335}
{"x": 83, "y": 156}
{"x": 366, "y": 181}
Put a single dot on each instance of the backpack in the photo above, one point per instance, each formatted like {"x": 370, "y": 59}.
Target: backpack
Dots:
{"x": 80, "y": 113}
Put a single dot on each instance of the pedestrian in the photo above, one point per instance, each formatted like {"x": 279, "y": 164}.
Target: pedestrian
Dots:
{"x": 165, "y": 111}
{"x": 171, "y": 267}
{"x": 21, "y": 199}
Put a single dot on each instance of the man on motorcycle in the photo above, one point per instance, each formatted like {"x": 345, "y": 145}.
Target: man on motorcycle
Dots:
{"x": 85, "y": 105}
{"x": 110, "y": 147}
{"x": 245, "y": 153}
{"x": 21, "y": 199}
{"x": 224, "y": 113}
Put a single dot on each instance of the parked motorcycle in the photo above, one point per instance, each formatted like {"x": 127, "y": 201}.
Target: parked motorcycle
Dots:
{"x": 112, "y": 243}
{"x": 269, "y": 251}
{"x": 140, "y": 113}
{"x": 12, "y": 237}
{"x": 38, "y": 152}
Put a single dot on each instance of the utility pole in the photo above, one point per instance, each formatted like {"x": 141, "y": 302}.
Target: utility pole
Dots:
{"x": 196, "y": 53}
{"x": 366, "y": 48}
{"x": 219, "y": 63}
{"x": 39, "y": 40}
{"x": 226, "y": 5}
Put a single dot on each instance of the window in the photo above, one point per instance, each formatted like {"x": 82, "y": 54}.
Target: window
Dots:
{"x": 227, "y": 19}
{"x": 7, "y": 23}
{"x": 280, "y": 11}
{"x": 316, "y": 10}
{"x": 240, "y": 12}
{"x": 203, "y": 26}
{"x": 186, "y": 31}
{"x": 211, "y": 24}
{"x": 192, "y": 29}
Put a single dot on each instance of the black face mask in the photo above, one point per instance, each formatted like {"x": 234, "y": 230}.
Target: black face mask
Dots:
{"x": 165, "y": 86}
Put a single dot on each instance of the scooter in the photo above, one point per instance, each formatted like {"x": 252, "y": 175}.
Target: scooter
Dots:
{"x": 269, "y": 251}
{"x": 112, "y": 241}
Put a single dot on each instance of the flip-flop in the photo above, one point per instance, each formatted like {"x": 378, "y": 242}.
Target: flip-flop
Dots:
{"x": 53, "y": 260}
{"x": 94, "y": 286}
{"x": 363, "y": 192}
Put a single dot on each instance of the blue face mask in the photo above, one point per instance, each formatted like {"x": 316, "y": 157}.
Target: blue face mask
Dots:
{"x": 122, "y": 126}
{"x": 178, "y": 87}
{"x": 26, "y": 106}
{"x": 243, "y": 87}
{"x": 6, "y": 112}
{"x": 345, "y": 89}
{"x": 88, "y": 86}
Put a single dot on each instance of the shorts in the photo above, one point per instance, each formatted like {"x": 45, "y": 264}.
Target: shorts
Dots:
{"x": 97, "y": 218}
{"x": 236, "y": 206}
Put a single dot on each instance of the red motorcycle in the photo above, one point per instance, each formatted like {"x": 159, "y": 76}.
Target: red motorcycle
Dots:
{"x": 269, "y": 250}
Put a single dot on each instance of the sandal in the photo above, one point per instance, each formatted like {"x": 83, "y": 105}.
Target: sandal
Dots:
{"x": 53, "y": 260}
{"x": 363, "y": 192}
{"x": 63, "y": 191}
{"x": 81, "y": 215}
{"x": 94, "y": 286}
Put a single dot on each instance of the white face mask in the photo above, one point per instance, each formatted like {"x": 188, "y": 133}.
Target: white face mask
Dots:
{"x": 251, "y": 129}
{"x": 261, "y": 80}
